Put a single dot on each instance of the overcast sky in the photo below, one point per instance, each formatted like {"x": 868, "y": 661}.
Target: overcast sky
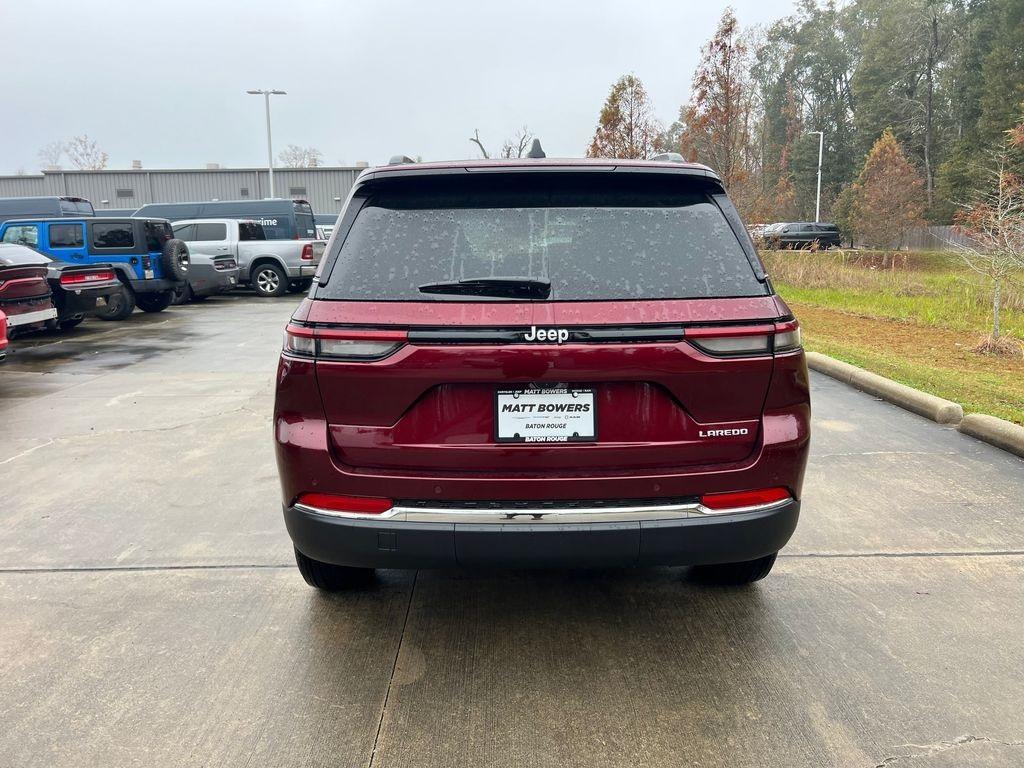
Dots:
{"x": 164, "y": 82}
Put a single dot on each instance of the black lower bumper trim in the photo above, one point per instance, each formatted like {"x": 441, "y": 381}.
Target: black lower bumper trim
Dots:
{"x": 688, "y": 541}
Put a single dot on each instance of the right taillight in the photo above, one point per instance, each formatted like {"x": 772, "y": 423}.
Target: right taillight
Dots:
{"x": 746, "y": 341}
{"x": 340, "y": 344}
{"x": 307, "y": 252}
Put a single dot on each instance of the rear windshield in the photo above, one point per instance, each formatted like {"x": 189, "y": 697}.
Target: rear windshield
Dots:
{"x": 590, "y": 240}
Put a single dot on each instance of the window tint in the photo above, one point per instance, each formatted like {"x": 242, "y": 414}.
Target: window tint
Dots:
{"x": 249, "y": 230}
{"x": 304, "y": 222}
{"x": 635, "y": 242}
{"x": 116, "y": 234}
{"x": 185, "y": 232}
{"x": 66, "y": 236}
{"x": 211, "y": 231}
{"x": 157, "y": 233}
{"x": 23, "y": 234}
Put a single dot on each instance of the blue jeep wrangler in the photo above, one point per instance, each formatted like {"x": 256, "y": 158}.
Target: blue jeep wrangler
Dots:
{"x": 150, "y": 263}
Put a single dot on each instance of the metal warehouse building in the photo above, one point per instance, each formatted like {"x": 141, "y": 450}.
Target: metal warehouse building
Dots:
{"x": 325, "y": 188}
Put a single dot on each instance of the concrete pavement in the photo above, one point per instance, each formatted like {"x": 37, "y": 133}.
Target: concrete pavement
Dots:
{"x": 150, "y": 613}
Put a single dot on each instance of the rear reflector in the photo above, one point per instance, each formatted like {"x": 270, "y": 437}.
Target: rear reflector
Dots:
{"x": 84, "y": 278}
{"x": 742, "y": 499}
{"x": 363, "y": 505}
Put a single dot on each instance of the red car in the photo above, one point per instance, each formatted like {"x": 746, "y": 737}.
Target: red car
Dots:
{"x": 541, "y": 363}
{"x": 3, "y": 335}
{"x": 25, "y": 295}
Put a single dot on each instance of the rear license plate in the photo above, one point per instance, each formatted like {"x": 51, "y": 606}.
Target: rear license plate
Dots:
{"x": 563, "y": 415}
{"x": 148, "y": 273}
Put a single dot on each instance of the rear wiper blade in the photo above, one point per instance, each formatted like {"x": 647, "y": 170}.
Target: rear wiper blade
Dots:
{"x": 505, "y": 287}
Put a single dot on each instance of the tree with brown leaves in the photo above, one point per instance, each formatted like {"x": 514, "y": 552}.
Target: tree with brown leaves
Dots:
{"x": 719, "y": 122}
{"x": 994, "y": 221}
{"x": 888, "y": 196}
{"x": 626, "y": 127}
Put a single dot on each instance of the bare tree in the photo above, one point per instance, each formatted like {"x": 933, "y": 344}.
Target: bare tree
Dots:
{"x": 475, "y": 138}
{"x": 518, "y": 145}
{"x": 50, "y": 154}
{"x": 995, "y": 223}
{"x": 294, "y": 156}
{"x": 85, "y": 154}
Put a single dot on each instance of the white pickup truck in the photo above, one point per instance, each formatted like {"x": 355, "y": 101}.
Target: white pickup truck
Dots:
{"x": 271, "y": 267}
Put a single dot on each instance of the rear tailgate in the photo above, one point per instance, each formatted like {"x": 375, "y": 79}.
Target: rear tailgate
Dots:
{"x": 432, "y": 404}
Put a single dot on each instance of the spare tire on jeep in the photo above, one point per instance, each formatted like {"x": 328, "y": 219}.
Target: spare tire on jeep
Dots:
{"x": 175, "y": 260}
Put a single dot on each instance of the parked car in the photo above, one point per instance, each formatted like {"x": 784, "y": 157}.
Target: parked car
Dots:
{"x": 3, "y": 336}
{"x": 44, "y": 207}
{"x": 325, "y": 223}
{"x": 148, "y": 261}
{"x": 271, "y": 267}
{"x": 25, "y": 296}
{"x": 76, "y": 288}
{"x": 281, "y": 219}
{"x": 541, "y": 363}
{"x": 801, "y": 234}
{"x": 207, "y": 276}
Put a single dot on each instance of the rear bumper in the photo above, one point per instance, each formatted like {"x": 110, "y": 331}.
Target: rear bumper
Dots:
{"x": 686, "y": 540}
{"x": 157, "y": 285}
{"x": 303, "y": 270}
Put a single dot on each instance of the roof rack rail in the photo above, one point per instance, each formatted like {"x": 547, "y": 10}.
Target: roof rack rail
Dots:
{"x": 667, "y": 157}
{"x": 400, "y": 160}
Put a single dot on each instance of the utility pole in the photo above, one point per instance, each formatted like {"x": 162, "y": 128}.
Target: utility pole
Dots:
{"x": 817, "y": 198}
{"x": 266, "y": 94}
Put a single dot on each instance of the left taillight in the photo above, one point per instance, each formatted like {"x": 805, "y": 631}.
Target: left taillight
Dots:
{"x": 341, "y": 344}
{"x": 84, "y": 278}
{"x": 307, "y": 252}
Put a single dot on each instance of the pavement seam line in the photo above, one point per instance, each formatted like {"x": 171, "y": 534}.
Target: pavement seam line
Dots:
{"x": 394, "y": 668}
{"x": 129, "y": 568}
{"x": 285, "y": 566}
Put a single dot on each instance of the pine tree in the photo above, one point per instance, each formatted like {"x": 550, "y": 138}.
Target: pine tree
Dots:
{"x": 888, "y": 197}
{"x": 626, "y": 128}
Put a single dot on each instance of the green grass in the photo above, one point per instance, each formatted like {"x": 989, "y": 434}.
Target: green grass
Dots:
{"x": 936, "y": 290}
{"x": 915, "y": 321}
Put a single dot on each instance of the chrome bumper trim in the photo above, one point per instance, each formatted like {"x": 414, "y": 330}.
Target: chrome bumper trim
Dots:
{"x": 547, "y": 515}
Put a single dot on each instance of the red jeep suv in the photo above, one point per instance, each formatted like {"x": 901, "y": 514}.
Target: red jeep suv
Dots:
{"x": 538, "y": 363}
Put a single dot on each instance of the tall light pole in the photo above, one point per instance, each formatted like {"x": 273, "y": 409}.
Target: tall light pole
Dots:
{"x": 817, "y": 199}
{"x": 266, "y": 94}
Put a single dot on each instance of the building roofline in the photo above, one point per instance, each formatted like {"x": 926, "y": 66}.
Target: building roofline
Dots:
{"x": 109, "y": 171}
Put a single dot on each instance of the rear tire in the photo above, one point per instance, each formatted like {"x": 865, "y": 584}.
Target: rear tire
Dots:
{"x": 183, "y": 295}
{"x": 269, "y": 280}
{"x": 119, "y": 305}
{"x": 155, "y": 302}
{"x": 300, "y": 286}
{"x": 736, "y": 574}
{"x": 331, "y": 578}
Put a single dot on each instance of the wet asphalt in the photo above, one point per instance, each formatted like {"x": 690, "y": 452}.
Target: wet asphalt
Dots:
{"x": 151, "y": 614}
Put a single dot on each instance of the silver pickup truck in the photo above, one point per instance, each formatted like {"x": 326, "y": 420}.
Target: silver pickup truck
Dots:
{"x": 271, "y": 267}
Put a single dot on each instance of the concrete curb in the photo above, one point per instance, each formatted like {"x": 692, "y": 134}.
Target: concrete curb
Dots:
{"x": 995, "y": 431}
{"x": 921, "y": 403}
